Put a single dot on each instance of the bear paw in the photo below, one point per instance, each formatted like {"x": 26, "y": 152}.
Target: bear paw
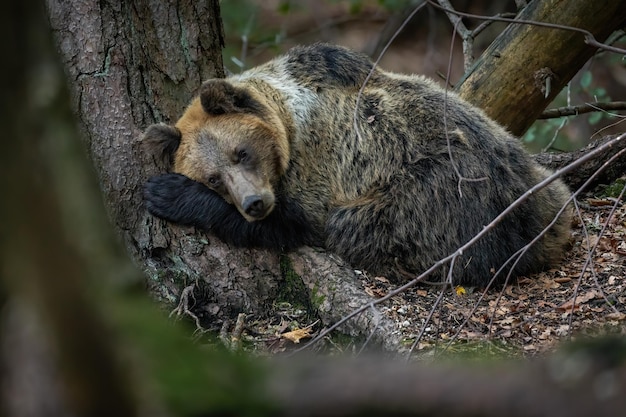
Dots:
{"x": 174, "y": 197}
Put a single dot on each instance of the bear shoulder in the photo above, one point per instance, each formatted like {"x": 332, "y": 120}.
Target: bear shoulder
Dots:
{"x": 326, "y": 65}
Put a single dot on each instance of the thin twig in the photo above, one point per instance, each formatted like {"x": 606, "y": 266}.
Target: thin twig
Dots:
{"x": 445, "y": 122}
{"x": 592, "y": 250}
{"x": 432, "y": 310}
{"x": 581, "y": 109}
{"x": 375, "y": 66}
{"x": 466, "y": 35}
{"x": 235, "y": 337}
{"x": 484, "y": 25}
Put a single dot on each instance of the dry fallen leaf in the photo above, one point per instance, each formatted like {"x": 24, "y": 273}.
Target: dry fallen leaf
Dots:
{"x": 375, "y": 292}
{"x": 616, "y": 316}
{"x": 581, "y": 299}
{"x": 296, "y": 335}
{"x": 597, "y": 202}
{"x": 421, "y": 293}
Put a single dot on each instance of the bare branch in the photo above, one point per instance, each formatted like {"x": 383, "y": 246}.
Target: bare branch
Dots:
{"x": 589, "y": 38}
{"x": 454, "y": 17}
{"x": 581, "y": 109}
{"x": 576, "y": 178}
{"x": 466, "y": 35}
{"x": 514, "y": 56}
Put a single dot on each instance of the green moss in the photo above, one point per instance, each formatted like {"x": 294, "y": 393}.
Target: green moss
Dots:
{"x": 316, "y": 298}
{"x": 292, "y": 289}
{"x": 164, "y": 279}
{"x": 188, "y": 379}
{"x": 614, "y": 189}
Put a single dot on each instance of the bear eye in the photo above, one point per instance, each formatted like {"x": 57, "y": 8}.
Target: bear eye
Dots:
{"x": 214, "y": 181}
{"x": 242, "y": 156}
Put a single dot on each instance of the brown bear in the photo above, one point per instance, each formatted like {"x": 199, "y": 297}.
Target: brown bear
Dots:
{"x": 391, "y": 172}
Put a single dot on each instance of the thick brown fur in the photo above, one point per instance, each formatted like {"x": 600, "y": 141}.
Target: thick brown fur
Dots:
{"x": 372, "y": 175}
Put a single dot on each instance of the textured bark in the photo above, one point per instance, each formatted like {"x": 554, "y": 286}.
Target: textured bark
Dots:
{"x": 578, "y": 177}
{"x": 336, "y": 292}
{"x": 133, "y": 64}
{"x": 507, "y": 80}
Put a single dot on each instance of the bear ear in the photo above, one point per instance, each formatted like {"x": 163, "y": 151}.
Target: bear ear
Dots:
{"x": 162, "y": 141}
{"x": 221, "y": 97}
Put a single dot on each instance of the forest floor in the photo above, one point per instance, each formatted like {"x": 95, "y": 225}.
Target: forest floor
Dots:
{"x": 583, "y": 295}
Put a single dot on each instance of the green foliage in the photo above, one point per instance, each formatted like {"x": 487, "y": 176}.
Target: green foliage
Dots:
{"x": 395, "y": 5}
{"x": 543, "y": 133}
{"x": 547, "y": 133}
{"x": 585, "y": 80}
{"x": 481, "y": 350}
{"x": 599, "y": 94}
{"x": 240, "y": 19}
{"x": 284, "y": 7}
{"x": 317, "y": 298}
{"x": 356, "y": 6}
{"x": 239, "y": 16}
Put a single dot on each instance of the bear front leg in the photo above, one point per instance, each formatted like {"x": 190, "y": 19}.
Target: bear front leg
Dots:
{"x": 179, "y": 199}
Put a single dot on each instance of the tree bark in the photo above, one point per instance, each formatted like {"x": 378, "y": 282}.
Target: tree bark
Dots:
{"x": 133, "y": 64}
{"x": 579, "y": 176}
{"x": 509, "y": 80}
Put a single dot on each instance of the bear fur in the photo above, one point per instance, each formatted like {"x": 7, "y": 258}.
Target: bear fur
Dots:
{"x": 390, "y": 172}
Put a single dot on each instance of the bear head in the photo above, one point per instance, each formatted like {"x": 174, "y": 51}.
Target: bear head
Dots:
{"x": 232, "y": 140}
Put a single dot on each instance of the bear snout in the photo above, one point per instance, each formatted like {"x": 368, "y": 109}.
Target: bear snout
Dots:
{"x": 256, "y": 206}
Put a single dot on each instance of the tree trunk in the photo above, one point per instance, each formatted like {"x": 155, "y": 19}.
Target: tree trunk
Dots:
{"x": 579, "y": 176}
{"x": 509, "y": 80}
{"x": 133, "y": 64}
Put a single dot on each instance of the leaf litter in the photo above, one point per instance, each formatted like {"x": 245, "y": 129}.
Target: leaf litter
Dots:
{"x": 584, "y": 295}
